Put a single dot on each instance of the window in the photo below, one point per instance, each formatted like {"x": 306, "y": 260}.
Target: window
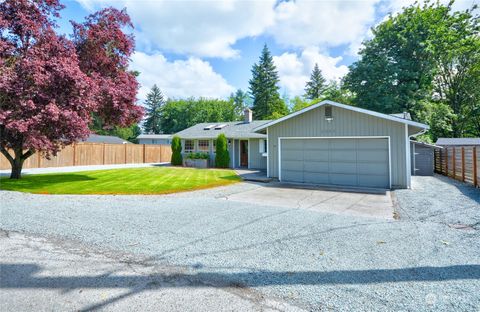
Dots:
{"x": 189, "y": 146}
{"x": 328, "y": 112}
{"x": 262, "y": 146}
{"x": 203, "y": 145}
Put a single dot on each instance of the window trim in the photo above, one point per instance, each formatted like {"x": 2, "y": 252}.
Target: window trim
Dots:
{"x": 200, "y": 146}
{"x": 185, "y": 146}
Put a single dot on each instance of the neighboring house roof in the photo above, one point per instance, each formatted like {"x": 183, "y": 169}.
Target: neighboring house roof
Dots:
{"x": 154, "y": 136}
{"x": 458, "y": 141}
{"x": 349, "y": 107}
{"x": 95, "y": 138}
{"x": 232, "y": 129}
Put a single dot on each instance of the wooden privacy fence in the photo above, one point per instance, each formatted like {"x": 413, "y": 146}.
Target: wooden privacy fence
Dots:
{"x": 87, "y": 154}
{"x": 461, "y": 163}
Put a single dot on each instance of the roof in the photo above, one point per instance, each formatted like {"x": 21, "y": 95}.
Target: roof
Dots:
{"x": 95, "y": 138}
{"x": 154, "y": 136}
{"x": 458, "y": 141}
{"x": 425, "y": 144}
{"x": 403, "y": 115}
{"x": 232, "y": 129}
{"x": 349, "y": 107}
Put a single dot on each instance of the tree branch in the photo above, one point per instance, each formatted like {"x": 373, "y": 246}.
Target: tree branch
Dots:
{"x": 6, "y": 154}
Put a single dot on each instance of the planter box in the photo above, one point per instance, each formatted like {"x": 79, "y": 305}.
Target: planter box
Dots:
{"x": 195, "y": 163}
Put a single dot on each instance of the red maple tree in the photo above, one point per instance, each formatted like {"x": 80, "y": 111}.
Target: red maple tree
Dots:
{"x": 50, "y": 86}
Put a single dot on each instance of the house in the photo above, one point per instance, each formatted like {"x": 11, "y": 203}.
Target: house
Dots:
{"x": 327, "y": 143}
{"x": 336, "y": 144}
{"x": 247, "y": 148}
{"x": 110, "y": 139}
{"x": 162, "y": 139}
{"x": 447, "y": 142}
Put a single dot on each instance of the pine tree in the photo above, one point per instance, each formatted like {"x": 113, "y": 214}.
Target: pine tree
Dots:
{"x": 264, "y": 89}
{"x": 154, "y": 104}
{"x": 316, "y": 86}
{"x": 238, "y": 99}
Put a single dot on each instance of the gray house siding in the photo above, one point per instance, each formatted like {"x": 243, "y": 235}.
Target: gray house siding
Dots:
{"x": 345, "y": 123}
{"x": 255, "y": 158}
{"x": 422, "y": 159}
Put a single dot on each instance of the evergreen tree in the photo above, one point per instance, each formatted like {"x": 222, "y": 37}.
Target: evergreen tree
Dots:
{"x": 154, "y": 104}
{"x": 238, "y": 99}
{"x": 177, "y": 159}
{"x": 222, "y": 157}
{"x": 317, "y": 84}
{"x": 264, "y": 89}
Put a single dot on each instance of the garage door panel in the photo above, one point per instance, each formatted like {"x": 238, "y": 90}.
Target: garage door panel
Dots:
{"x": 316, "y": 178}
{"x": 343, "y": 179}
{"x": 372, "y": 181}
{"x": 316, "y": 166}
{"x": 341, "y": 144}
{"x": 349, "y": 162}
{"x": 343, "y": 155}
{"x": 343, "y": 167}
{"x": 372, "y": 155}
{"x": 372, "y": 168}
{"x": 292, "y": 165}
{"x": 292, "y": 176}
{"x": 315, "y": 155}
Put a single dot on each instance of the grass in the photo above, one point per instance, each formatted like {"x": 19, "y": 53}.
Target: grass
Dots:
{"x": 152, "y": 180}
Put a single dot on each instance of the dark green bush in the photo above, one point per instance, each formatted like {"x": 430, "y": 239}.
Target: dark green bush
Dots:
{"x": 222, "y": 158}
{"x": 176, "y": 151}
{"x": 198, "y": 155}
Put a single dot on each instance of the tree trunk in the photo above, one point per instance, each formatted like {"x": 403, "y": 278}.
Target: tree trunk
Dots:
{"x": 17, "y": 165}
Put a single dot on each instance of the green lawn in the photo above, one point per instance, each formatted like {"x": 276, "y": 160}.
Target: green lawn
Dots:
{"x": 152, "y": 180}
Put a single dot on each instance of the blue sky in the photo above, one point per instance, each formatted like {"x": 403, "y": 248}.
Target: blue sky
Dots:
{"x": 207, "y": 48}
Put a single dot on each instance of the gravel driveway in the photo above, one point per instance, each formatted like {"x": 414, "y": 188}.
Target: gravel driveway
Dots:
{"x": 310, "y": 259}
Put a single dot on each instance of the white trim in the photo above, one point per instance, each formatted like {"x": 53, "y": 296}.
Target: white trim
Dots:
{"x": 413, "y": 157}
{"x": 336, "y": 137}
{"x": 248, "y": 160}
{"x": 349, "y": 107}
{"x": 233, "y": 153}
{"x": 268, "y": 162}
{"x": 408, "y": 160}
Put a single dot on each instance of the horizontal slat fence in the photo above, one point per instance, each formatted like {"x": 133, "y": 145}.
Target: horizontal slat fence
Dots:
{"x": 460, "y": 162}
{"x": 89, "y": 154}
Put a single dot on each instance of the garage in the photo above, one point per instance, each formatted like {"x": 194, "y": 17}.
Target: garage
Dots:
{"x": 357, "y": 162}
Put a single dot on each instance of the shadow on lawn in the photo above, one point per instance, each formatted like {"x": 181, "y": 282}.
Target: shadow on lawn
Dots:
{"x": 42, "y": 181}
{"x": 18, "y": 276}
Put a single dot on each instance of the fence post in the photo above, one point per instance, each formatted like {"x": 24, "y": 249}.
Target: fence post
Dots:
{"x": 39, "y": 160}
{"x": 475, "y": 167}
{"x": 74, "y": 153}
{"x": 453, "y": 163}
{"x": 125, "y": 153}
{"x": 463, "y": 164}
{"x": 143, "y": 153}
{"x": 446, "y": 161}
{"x": 104, "y": 150}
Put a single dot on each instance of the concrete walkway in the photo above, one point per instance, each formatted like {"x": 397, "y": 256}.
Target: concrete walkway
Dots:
{"x": 82, "y": 168}
{"x": 253, "y": 175}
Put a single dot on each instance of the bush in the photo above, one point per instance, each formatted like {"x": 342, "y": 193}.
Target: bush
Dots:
{"x": 222, "y": 158}
{"x": 198, "y": 155}
{"x": 176, "y": 151}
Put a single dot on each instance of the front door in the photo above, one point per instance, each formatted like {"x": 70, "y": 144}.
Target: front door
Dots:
{"x": 243, "y": 153}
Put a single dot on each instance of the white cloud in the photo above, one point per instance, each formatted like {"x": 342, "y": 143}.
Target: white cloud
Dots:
{"x": 200, "y": 28}
{"x": 322, "y": 23}
{"x": 180, "y": 78}
{"x": 294, "y": 70}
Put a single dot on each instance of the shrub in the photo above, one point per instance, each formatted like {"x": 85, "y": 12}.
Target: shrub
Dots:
{"x": 176, "y": 151}
{"x": 222, "y": 158}
{"x": 198, "y": 155}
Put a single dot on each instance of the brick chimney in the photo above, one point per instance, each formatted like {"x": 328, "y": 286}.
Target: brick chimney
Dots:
{"x": 247, "y": 113}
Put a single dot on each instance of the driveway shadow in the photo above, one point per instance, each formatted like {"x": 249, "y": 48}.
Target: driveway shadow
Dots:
{"x": 17, "y": 276}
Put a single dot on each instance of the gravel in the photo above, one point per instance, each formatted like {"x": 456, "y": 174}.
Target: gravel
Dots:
{"x": 314, "y": 260}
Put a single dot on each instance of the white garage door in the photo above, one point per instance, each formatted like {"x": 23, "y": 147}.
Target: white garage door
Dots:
{"x": 362, "y": 162}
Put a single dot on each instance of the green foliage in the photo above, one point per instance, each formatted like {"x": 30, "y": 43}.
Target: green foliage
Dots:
{"x": 264, "y": 89}
{"x": 425, "y": 54}
{"x": 154, "y": 104}
{"x": 197, "y": 155}
{"x": 176, "y": 144}
{"x": 222, "y": 157}
{"x": 338, "y": 93}
{"x": 299, "y": 103}
{"x": 128, "y": 133}
{"x": 239, "y": 100}
{"x": 316, "y": 85}
{"x": 179, "y": 114}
